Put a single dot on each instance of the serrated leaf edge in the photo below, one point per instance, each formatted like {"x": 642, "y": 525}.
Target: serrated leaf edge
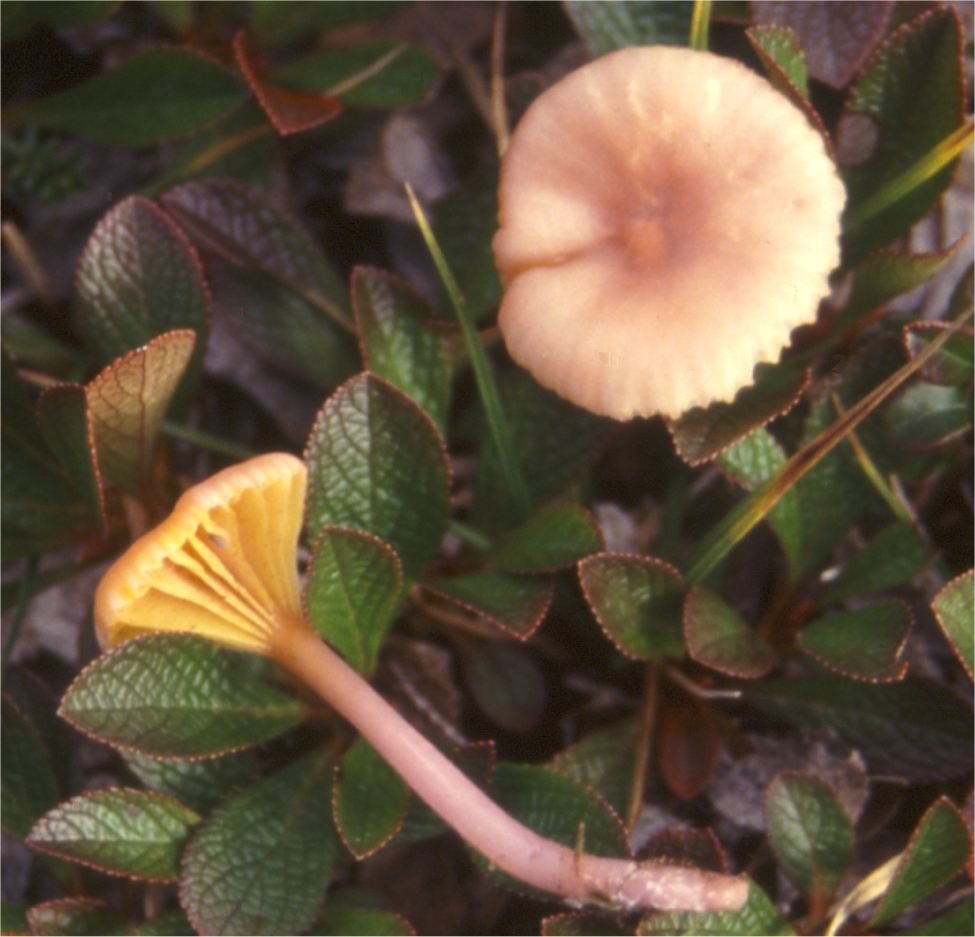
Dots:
{"x": 104, "y": 740}
{"x": 968, "y": 575}
{"x": 902, "y": 665}
{"x": 47, "y": 847}
{"x": 729, "y": 671}
{"x": 360, "y": 854}
{"x": 616, "y": 554}
{"x": 499, "y": 623}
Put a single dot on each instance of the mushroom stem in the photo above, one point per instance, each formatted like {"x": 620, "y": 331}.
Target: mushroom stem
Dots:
{"x": 500, "y": 838}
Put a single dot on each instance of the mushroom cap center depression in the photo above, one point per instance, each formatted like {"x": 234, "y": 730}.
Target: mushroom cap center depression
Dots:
{"x": 667, "y": 218}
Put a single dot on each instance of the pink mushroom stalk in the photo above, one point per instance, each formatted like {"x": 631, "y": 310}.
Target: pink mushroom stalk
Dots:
{"x": 224, "y": 566}
{"x": 666, "y": 219}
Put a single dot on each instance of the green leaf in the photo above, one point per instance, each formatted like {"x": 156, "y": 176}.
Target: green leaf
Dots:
{"x": 372, "y": 75}
{"x": 832, "y": 496}
{"x": 352, "y": 593}
{"x": 13, "y": 918}
{"x": 167, "y": 924}
{"x": 926, "y": 415}
{"x": 603, "y": 761}
{"x": 554, "y": 440}
{"x": 127, "y": 401}
{"x": 175, "y": 696}
{"x": 40, "y": 506}
{"x": 66, "y": 424}
{"x": 703, "y": 432}
{"x": 139, "y": 277}
{"x": 506, "y": 684}
{"x": 719, "y": 638}
{"x": 282, "y": 22}
{"x": 200, "y": 784}
{"x": 782, "y": 57}
{"x": 865, "y": 643}
{"x": 557, "y": 808}
{"x": 912, "y": 88}
{"x": 937, "y": 852}
{"x": 758, "y": 916}
{"x": 515, "y": 604}
{"x": 377, "y": 463}
{"x": 637, "y": 602}
{"x": 957, "y": 920}
{"x": 261, "y": 863}
{"x": 152, "y": 96}
{"x": 915, "y": 728}
{"x": 883, "y": 276}
{"x": 76, "y": 917}
{"x": 28, "y": 784}
{"x": 810, "y": 833}
{"x": 893, "y": 556}
{"x": 397, "y": 342}
{"x": 954, "y": 607}
{"x": 369, "y": 800}
{"x": 954, "y": 363}
{"x": 553, "y": 538}
{"x": 123, "y": 831}
{"x": 605, "y": 25}
{"x": 751, "y": 462}
{"x": 464, "y": 223}
{"x": 269, "y": 275}
{"x": 354, "y": 912}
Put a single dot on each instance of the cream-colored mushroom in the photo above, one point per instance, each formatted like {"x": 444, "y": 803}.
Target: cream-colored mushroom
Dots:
{"x": 666, "y": 219}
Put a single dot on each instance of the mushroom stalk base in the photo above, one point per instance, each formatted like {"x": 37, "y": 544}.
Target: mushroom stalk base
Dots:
{"x": 500, "y": 838}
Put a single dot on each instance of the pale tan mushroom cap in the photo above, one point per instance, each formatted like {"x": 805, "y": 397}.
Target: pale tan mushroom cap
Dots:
{"x": 222, "y": 565}
{"x": 667, "y": 218}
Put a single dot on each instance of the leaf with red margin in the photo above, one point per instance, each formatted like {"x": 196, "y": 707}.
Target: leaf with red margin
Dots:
{"x": 702, "y": 433}
{"x": 122, "y": 831}
{"x": 398, "y": 344}
{"x": 912, "y": 87}
{"x": 809, "y": 832}
{"x": 370, "y": 800}
{"x": 784, "y": 62}
{"x": 938, "y": 851}
{"x": 515, "y": 604}
{"x": 128, "y": 400}
{"x": 290, "y": 111}
{"x": 139, "y": 277}
{"x": 269, "y": 277}
{"x": 353, "y": 590}
{"x": 719, "y": 638}
{"x": 377, "y": 463}
{"x": 836, "y": 37}
{"x": 953, "y": 608}
{"x": 865, "y": 643}
{"x": 637, "y": 602}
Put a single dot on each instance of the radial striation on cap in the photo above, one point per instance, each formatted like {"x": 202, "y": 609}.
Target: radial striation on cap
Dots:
{"x": 667, "y": 218}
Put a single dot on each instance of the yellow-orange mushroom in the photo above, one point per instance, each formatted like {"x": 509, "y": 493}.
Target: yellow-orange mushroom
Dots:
{"x": 223, "y": 566}
{"x": 666, "y": 219}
